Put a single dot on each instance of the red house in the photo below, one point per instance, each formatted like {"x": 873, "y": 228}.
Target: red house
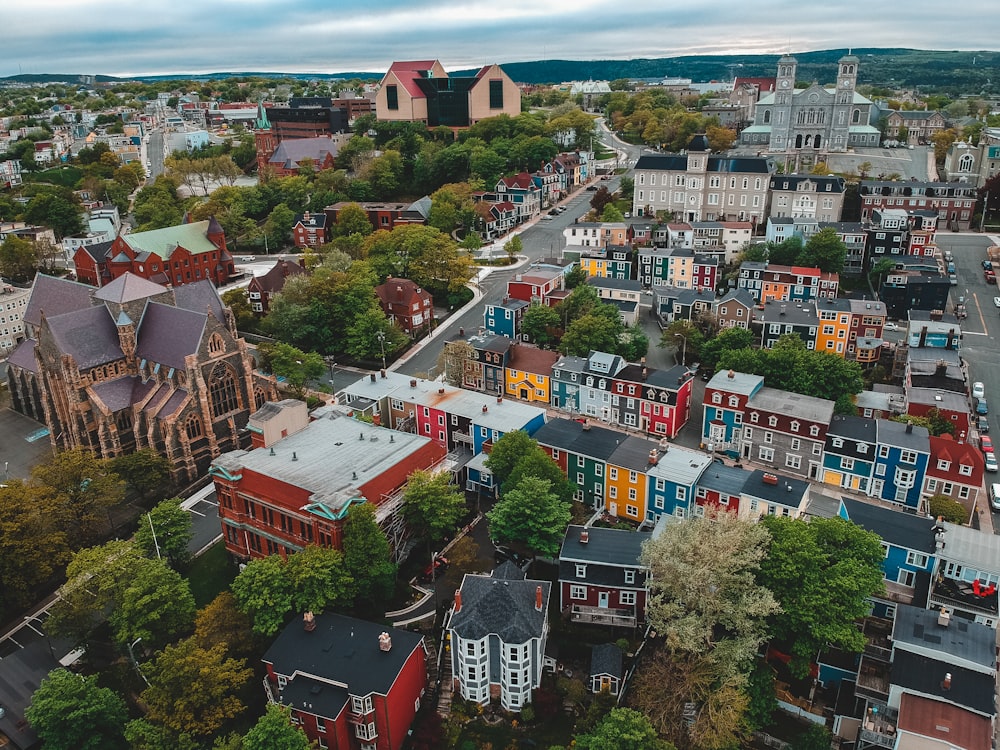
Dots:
{"x": 384, "y": 215}
{"x": 601, "y": 579}
{"x": 262, "y": 288}
{"x": 297, "y": 484}
{"x": 350, "y": 684}
{"x": 955, "y": 469}
{"x": 310, "y": 230}
{"x": 172, "y": 256}
{"x": 535, "y": 285}
{"x": 406, "y": 304}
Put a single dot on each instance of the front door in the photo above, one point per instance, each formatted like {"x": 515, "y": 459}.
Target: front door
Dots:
{"x": 602, "y": 600}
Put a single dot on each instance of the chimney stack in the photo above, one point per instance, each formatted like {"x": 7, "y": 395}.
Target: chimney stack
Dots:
{"x": 731, "y": 374}
{"x": 944, "y": 618}
{"x": 384, "y": 641}
{"x": 584, "y": 536}
{"x": 946, "y": 682}
{"x": 308, "y": 622}
{"x": 538, "y": 607}
{"x": 458, "y": 601}
{"x": 373, "y": 377}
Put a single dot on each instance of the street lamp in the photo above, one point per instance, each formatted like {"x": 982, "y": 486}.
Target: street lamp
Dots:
{"x": 381, "y": 342}
{"x": 683, "y": 347}
{"x": 131, "y": 653}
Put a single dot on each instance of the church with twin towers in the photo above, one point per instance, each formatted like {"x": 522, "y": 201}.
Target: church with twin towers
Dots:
{"x": 805, "y": 124}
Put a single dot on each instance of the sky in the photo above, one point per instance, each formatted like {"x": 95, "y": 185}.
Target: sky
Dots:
{"x": 154, "y": 37}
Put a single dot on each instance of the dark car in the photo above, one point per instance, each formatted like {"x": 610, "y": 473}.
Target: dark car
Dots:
{"x": 504, "y": 553}
{"x": 981, "y": 407}
{"x": 553, "y": 212}
{"x": 439, "y": 566}
{"x": 983, "y": 425}
{"x": 591, "y": 187}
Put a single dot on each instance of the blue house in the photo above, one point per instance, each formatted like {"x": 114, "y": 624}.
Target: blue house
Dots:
{"x": 725, "y": 401}
{"x": 673, "y": 482}
{"x": 900, "y": 463}
{"x": 910, "y": 552}
{"x": 504, "y": 318}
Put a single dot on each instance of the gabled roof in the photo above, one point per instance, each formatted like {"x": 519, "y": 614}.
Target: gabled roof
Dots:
{"x": 504, "y": 608}
{"x": 89, "y": 335}
{"x": 292, "y": 152}
{"x": 127, "y": 288}
{"x": 921, "y": 674}
{"x": 618, "y": 547}
{"x": 167, "y": 334}
{"x": 606, "y": 659}
{"x": 274, "y": 280}
{"x": 116, "y": 394}
{"x": 532, "y": 360}
{"x": 408, "y": 72}
{"x": 342, "y": 651}
{"x": 162, "y": 242}
{"x": 55, "y": 296}
{"x": 23, "y": 356}
{"x": 199, "y": 297}
{"x": 896, "y": 528}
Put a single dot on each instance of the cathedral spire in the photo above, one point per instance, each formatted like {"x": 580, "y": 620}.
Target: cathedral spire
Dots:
{"x": 262, "y": 122}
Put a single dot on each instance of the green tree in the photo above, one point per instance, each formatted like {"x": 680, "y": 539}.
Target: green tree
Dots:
{"x": 537, "y": 463}
{"x": 507, "y": 451}
{"x": 83, "y": 487}
{"x": 155, "y": 604}
{"x": 825, "y": 251}
{"x": 822, "y": 574}
{"x": 601, "y": 199}
{"x": 622, "y": 729}
{"x": 278, "y": 226}
{"x": 33, "y": 544}
{"x": 352, "y": 219}
{"x": 275, "y": 731}
{"x": 786, "y": 253}
{"x": 143, "y": 470}
{"x": 368, "y": 559}
{"x": 763, "y": 700}
{"x": 222, "y": 621}
{"x": 728, "y": 339}
{"x": 948, "y": 509}
{"x": 166, "y": 531}
{"x": 575, "y": 277}
{"x": 513, "y": 247}
{"x": 72, "y": 712}
{"x": 530, "y": 513}
{"x": 591, "y": 332}
{"x": 371, "y": 334}
{"x": 142, "y": 734}
{"x": 541, "y": 324}
{"x": 294, "y": 365}
{"x": 194, "y": 690}
{"x": 57, "y": 211}
{"x": 318, "y": 579}
{"x": 612, "y": 214}
{"x": 813, "y": 737}
{"x": 685, "y": 338}
{"x": 18, "y": 259}
{"x": 703, "y": 596}
{"x": 262, "y": 591}
{"x": 432, "y": 506}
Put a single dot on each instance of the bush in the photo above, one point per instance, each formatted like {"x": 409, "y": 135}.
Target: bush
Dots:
{"x": 528, "y": 714}
{"x": 951, "y": 510}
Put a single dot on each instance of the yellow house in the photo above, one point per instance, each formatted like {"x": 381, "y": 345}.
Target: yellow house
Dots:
{"x": 596, "y": 267}
{"x": 834, "y": 329}
{"x": 529, "y": 372}
{"x": 625, "y": 490}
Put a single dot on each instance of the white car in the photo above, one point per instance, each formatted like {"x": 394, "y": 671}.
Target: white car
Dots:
{"x": 996, "y": 301}
{"x": 978, "y": 390}
{"x": 990, "y": 460}
{"x": 890, "y": 327}
{"x": 995, "y": 496}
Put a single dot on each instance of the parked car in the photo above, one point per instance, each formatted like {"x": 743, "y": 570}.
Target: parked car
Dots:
{"x": 986, "y": 444}
{"x": 890, "y": 326}
{"x": 554, "y": 211}
{"x": 983, "y": 425}
{"x": 504, "y": 553}
{"x": 990, "y": 276}
{"x": 591, "y": 187}
{"x": 432, "y": 571}
{"x": 996, "y": 301}
{"x": 995, "y": 496}
{"x": 990, "y": 461}
{"x": 978, "y": 390}
{"x": 987, "y": 264}
{"x": 953, "y": 279}
{"x": 248, "y": 258}
{"x": 981, "y": 407}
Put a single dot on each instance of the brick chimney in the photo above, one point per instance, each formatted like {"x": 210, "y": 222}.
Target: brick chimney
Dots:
{"x": 458, "y": 601}
{"x": 946, "y": 682}
{"x": 538, "y": 605}
{"x": 584, "y": 536}
{"x": 384, "y": 641}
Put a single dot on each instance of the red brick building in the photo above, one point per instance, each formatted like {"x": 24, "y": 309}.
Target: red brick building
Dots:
{"x": 310, "y": 230}
{"x": 262, "y": 288}
{"x": 406, "y": 304}
{"x": 296, "y": 485}
{"x": 385, "y": 215}
{"x": 350, "y": 684}
{"x": 173, "y": 256}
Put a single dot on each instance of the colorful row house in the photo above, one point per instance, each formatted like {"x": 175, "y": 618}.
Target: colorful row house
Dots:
{"x": 769, "y": 281}
{"x": 678, "y": 267}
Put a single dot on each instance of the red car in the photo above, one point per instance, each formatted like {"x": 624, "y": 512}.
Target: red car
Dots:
{"x": 990, "y": 276}
{"x": 986, "y": 444}
{"x": 439, "y": 566}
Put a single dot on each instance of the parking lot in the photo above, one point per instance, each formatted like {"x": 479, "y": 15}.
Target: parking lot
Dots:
{"x": 23, "y": 443}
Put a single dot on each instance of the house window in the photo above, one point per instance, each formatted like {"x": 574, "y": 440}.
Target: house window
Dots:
{"x": 577, "y": 592}
{"x": 766, "y": 454}
{"x": 847, "y": 464}
{"x": 796, "y": 444}
{"x": 496, "y": 94}
{"x": 793, "y": 462}
{"x": 629, "y": 576}
{"x": 917, "y": 559}
{"x": 626, "y": 597}
{"x": 581, "y": 570}
{"x": 391, "y": 96}
{"x": 883, "y": 451}
{"x": 906, "y": 577}
{"x": 908, "y": 457}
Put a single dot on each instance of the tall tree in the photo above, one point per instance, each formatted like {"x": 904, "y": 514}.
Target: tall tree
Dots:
{"x": 822, "y": 574}
{"x": 194, "y": 690}
{"x": 297, "y": 367}
{"x": 143, "y": 470}
{"x": 513, "y": 247}
{"x": 155, "y": 605}
{"x": 166, "y": 532}
{"x": 262, "y": 591}
{"x": 541, "y": 324}
{"x": 352, "y": 219}
{"x": 622, "y": 729}
{"x": 537, "y": 463}
{"x": 222, "y": 621}
{"x": 71, "y": 712}
{"x": 532, "y": 514}
{"x": 368, "y": 559}
{"x": 825, "y": 251}
{"x": 703, "y": 595}
{"x": 507, "y": 451}
{"x": 432, "y": 506}
{"x": 275, "y": 731}
{"x": 55, "y": 210}
{"x": 83, "y": 487}
{"x": 453, "y": 360}
{"x": 18, "y": 258}
{"x": 318, "y": 579}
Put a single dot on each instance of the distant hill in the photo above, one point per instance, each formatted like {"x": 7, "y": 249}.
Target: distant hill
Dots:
{"x": 938, "y": 70}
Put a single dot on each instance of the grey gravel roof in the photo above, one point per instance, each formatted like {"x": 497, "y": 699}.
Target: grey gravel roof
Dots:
{"x": 604, "y": 546}
{"x": 168, "y": 334}
{"x": 502, "y": 607}
{"x": 792, "y": 404}
{"x": 962, "y": 639}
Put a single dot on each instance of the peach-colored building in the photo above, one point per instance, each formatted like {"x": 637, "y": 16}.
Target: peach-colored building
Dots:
{"x": 422, "y": 91}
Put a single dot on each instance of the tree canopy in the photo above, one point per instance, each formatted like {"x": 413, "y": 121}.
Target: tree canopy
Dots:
{"x": 432, "y": 506}
{"x": 622, "y": 729}
{"x": 532, "y": 514}
{"x": 72, "y": 712}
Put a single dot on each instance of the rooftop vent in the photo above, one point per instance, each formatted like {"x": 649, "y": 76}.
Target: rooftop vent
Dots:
{"x": 384, "y": 641}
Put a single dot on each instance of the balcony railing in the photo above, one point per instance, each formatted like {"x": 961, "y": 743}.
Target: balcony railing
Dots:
{"x": 897, "y": 592}
{"x": 603, "y": 615}
{"x": 869, "y": 737}
{"x": 873, "y": 679}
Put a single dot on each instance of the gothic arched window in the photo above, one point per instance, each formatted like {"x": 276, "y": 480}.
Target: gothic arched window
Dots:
{"x": 222, "y": 391}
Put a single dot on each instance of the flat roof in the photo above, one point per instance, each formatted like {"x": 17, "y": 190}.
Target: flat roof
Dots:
{"x": 792, "y": 404}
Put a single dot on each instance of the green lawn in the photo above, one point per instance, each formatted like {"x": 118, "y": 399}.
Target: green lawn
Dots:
{"x": 211, "y": 574}
{"x": 65, "y": 176}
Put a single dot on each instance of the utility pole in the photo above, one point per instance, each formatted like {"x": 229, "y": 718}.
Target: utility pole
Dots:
{"x": 149, "y": 517}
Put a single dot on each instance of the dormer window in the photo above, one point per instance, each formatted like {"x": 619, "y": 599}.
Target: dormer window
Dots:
{"x": 772, "y": 421}
{"x": 581, "y": 570}
{"x": 795, "y": 426}
{"x": 733, "y": 401}
{"x": 754, "y": 417}
{"x": 716, "y": 398}
{"x": 837, "y": 442}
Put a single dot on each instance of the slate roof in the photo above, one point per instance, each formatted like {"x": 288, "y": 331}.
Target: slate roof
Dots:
{"x": 895, "y": 527}
{"x": 318, "y": 697}
{"x": 724, "y": 479}
{"x": 127, "y": 288}
{"x": 921, "y": 674}
{"x": 569, "y": 435}
{"x": 116, "y": 394}
{"x": 821, "y": 181}
{"x": 199, "y": 297}
{"x": 788, "y": 490}
{"x": 342, "y": 650}
{"x": 508, "y": 571}
{"x": 606, "y": 659}
{"x": 274, "y": 280}
{"x": 618, "y": 547}
{"x": 167, "y": 334}
{"x": 502, "y": 607}
{"x": 899, "y": 435}
{"x": 972, "y": 548}
{"x": 23, "y": 356}
{"x": 173, "y": 405}
{"x": 853, "y": 428}
{"x": 162, "y": 242}
{"x": 99, "y": 250}
{"x": 741, "y": 382}
{"x": 626, "y": 285}
{"x": 55, "y": 296}
{"x": 291, "y": 152}
{"x": 89, "y": 335}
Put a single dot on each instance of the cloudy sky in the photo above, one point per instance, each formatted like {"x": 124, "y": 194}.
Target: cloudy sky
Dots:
{"x": 125, "y": 37}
